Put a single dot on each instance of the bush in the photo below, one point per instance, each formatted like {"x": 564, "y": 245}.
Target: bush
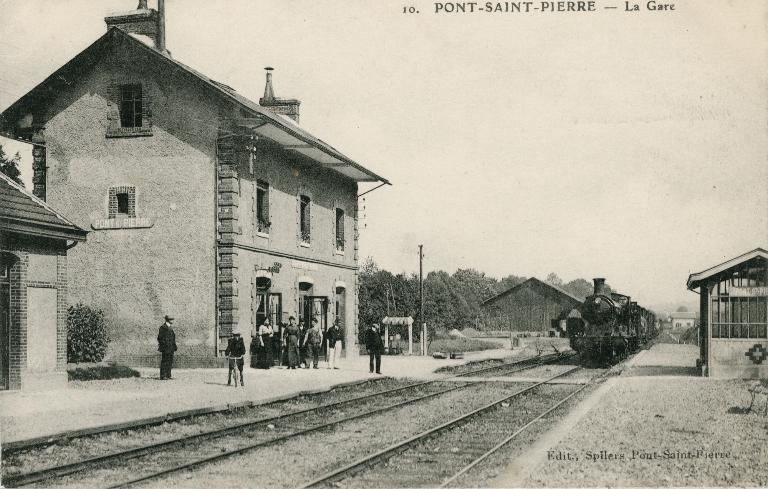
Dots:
{"x": 102, "y": 372}
{"x": 87, "y": 337}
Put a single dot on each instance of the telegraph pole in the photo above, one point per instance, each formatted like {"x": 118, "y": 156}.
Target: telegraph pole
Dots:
{"x": 421, "y": 301}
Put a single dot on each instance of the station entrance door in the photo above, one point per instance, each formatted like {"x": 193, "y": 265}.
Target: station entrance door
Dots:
{"x": 5, "y": 323}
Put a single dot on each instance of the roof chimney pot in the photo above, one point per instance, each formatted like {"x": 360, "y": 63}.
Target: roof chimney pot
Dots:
{"x": 280, "y": 106}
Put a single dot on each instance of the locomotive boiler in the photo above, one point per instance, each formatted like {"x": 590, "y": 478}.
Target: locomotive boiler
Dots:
{"x": 612, "y": 327}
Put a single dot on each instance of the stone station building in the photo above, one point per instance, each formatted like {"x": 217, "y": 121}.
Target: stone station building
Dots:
{"x": 202, "y": 204}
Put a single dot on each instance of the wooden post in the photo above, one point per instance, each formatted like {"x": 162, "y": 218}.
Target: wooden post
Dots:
{"x": 410, "y": 338}
{"x": 386, "y": 338}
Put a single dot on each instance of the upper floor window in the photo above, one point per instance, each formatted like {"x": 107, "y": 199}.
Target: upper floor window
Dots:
{"x": 129, "y": 110}
{"x": 122, "y": 202}
{"x": 305, "y": 205}
{"x": 262, "y": 207}
{"x": 131, "y": 105}
{"x": 339, "y": 229}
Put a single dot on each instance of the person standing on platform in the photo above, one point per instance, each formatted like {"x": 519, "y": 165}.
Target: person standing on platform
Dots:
{"x": 234, "y": 352}
{"x": 292, "y": 344}
{"x": 166, "y": 345}
{"x": 303, "y": 354}
{"x": 375, "y": 346}
{"x": 334, "y": 336}
{"x": 313, "y": 342}
{"x": 263, "y": 348}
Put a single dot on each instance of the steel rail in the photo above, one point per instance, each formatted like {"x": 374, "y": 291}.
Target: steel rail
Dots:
{"x": 46, "y": 473}
{"x": 514, "y": 435}
{"x": 425, "y": 434}
{"x": 273, "y": 441}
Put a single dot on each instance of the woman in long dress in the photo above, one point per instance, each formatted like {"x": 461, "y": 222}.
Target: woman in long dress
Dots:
{"x": 264, "y": 342}
{"x": 292, "y": 342}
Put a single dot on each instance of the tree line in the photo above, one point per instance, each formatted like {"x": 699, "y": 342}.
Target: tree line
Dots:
{"x": 450, "y": 300}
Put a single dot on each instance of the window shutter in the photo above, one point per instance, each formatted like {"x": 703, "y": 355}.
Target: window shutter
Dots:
{"x": 266, "y": 214}
{"x": 113, "y": 107}
{"x": 146, "y": 108}
{"x": 340, "y": 227}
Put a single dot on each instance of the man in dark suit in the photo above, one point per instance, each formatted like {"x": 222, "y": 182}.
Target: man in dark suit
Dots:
{"x": 374, "y": 345}
{"x": 235, "y": 351}
{"x": 166, "y": 345}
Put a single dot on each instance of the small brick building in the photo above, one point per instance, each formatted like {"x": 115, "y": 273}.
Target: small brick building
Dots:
{"x": 34, "y": 240}
{"x": 733, "y": 298}
{"x": 532, "y": 306}
{"x": 202, "y": 204}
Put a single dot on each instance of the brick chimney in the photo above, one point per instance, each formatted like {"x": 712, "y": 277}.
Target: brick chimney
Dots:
{"x": 143, "y": 21}
{"x": 282, "y": 106}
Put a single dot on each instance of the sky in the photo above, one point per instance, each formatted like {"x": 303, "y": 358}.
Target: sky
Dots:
{"x": 625, "y": 145}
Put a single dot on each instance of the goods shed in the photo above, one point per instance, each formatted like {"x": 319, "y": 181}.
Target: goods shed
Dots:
{"x": 734, "y": 316}
{"x": 34, "y": 240}
{"x": 532, "y": 306}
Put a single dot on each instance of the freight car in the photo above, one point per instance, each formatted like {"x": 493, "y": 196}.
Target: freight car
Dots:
{"x": 612, "y": 326}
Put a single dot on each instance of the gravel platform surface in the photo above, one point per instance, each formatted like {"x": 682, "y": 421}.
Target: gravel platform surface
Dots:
{"x": 661, "y": 431}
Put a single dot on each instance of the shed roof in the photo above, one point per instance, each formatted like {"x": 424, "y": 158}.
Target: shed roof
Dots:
{"x": 695, "y": 279}
{"x": 536, "y": 282}
{"x": 264, "y": 122}
{"x": 683, "y": 315}
{"x": 23, "y": 213}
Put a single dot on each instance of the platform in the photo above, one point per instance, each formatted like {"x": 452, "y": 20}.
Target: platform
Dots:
{"x": 663, "y": 429}
{"x": 94, "y": 404}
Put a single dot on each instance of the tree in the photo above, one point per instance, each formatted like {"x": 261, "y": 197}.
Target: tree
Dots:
{"x": 553, "y": 279}
{"x": 10, "y": 166}
{"x": 682, "y": 309}
{"x": 579, "y": 287}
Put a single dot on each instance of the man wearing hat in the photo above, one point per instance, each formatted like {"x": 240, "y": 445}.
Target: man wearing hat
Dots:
{"x": 166, "y": 345}
{"x": 235, "y": 351}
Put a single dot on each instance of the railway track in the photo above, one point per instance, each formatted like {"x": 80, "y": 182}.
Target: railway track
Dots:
{"x": 445, "y": 453}
{"x": 261, "y": 432}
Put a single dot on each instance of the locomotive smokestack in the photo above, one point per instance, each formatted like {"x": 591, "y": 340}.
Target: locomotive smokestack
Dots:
{"x": 600, "y": 286}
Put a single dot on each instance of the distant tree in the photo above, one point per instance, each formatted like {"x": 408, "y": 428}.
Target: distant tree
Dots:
{"x": 682, "y": 309}
{"x": 508, "y": 282}
{"x": 579, "y": 287}
{"x": 10, "y": 166}
{"x": 553, "y": 279}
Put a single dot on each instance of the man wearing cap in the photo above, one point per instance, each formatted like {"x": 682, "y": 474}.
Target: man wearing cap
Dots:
{"x": 234, "y": 352}
{"x": 166, "y": 345}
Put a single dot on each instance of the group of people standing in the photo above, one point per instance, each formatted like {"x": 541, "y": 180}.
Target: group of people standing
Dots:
{"x": 295, "y": 345}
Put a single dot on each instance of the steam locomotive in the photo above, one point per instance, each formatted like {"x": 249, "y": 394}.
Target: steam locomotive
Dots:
{"x": 611, "y": 327}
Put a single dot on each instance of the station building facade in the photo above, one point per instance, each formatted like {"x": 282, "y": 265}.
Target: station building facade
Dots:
{"x": 683, "y": 320}
{"x": 733, "y": 298}
{"x": 202, "y": 204}
{"x": 532, "y": 306}
{"x": 34, "y": 240}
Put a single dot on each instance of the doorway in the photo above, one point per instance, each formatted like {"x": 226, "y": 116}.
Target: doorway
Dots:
{"x": 5, "y": 322}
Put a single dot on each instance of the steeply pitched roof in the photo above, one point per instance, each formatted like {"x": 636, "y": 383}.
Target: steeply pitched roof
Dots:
{"x": 264, "y": 122}
{"x": 695, "y": 279}
{"x": 23, "y": 213}
{"x": 536, "y": 282}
